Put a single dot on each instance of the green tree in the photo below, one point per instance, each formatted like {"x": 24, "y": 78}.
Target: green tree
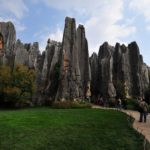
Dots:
{"x": 16, "y": 86}
{"x": 24, "y": 79}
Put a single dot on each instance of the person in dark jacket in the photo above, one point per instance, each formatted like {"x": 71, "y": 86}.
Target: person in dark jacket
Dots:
{"x": 143, "y": 109}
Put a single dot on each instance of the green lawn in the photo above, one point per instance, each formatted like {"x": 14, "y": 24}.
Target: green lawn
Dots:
{"x": 67, "y": 129}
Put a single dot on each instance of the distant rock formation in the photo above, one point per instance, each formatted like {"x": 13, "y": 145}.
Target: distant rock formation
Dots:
{"x": 26, "y": 54}
{"x": 65, "y": 71}
{"x": 119, "y": 66}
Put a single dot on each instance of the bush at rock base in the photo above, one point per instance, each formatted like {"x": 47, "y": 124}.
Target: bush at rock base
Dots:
{"x": 132, "y": 104}
{"x": 71, "y": 104}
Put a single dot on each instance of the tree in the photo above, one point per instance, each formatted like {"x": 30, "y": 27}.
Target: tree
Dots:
{"x": 24, "y": 79}
{"x": 16, "y": 86}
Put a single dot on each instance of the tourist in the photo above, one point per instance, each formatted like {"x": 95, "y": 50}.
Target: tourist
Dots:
{"x": 143, "y": 109}
{"x": 119, "y": 104}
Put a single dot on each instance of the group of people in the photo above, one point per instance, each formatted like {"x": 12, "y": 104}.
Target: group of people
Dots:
{"x": 118, "y": 103}
{"x": 142, "y": 106}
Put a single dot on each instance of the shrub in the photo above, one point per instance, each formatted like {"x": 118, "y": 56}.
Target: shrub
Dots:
{"x": 132, "y": 104}
{"x": 61, "y": 104}
{"x": 81, "y": 104}
{"x": 70, "y": 104}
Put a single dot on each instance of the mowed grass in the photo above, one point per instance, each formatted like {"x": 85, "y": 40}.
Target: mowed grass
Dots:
{"x": 67, "y": 129}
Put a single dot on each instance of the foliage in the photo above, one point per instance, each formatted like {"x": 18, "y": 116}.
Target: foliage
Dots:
{"x": 67, "y": 129}
{"x": 120, "y": 89}
{"x": 132, "y": 104}
{"x": 81, "y": 104}
{"x": 16, "y": 85}
{"x": 71, "y": 104}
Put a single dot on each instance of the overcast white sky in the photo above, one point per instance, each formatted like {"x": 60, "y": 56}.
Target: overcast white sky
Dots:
{"x": 114, "y": 21}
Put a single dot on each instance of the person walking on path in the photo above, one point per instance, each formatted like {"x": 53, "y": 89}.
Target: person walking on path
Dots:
{"x": 143, "y": 109}
{"x": 119, "y": 104}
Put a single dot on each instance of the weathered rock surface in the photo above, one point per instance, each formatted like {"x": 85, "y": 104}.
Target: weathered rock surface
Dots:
{"x": 120, "y": 67}
{"x": 37, "y": 98}
{"x": 7, "y": 40}
{"x": 33, "y": 53}
{"x": 21, "y": 54}
{"x": 83, "y": 55}
{"x": 94, "y": 74}
{"x": 70, "y": 78}
{"x": 105, "y": 62}
{"x": 64, "y": 70}
{"x": 51, "y": 62}
{"x": 75, "y": 72}
{"x": 47, "y": 68}
{"x": 26, "y": 54}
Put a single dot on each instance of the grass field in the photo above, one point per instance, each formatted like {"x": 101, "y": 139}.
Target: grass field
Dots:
{"x": 67, "y": 129}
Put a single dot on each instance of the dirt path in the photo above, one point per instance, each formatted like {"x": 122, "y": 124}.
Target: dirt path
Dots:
{"x": 143, "y": 128}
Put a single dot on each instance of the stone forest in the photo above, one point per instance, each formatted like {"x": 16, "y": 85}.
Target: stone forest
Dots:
{"x": 64, "y": 71}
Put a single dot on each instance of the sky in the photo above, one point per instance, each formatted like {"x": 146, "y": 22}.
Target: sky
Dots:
{"x": 114, "y": 21}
